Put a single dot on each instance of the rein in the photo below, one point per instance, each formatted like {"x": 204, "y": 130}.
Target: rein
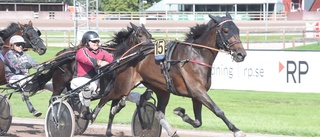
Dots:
{"x": 225, "y": 43}
{"x": 58, "y": 56}
{"x": 202, "y": 46}
{"x": 131, "y": 49}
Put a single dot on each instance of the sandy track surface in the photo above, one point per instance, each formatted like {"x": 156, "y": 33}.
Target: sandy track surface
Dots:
{"x": 29, "y": 127}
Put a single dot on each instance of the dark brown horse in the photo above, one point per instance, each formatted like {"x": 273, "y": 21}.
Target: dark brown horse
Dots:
{"x": 188, "y": 65}
{"x": 62, "y": 71}
{"x": 30, "y": 35}
{"x": 62, "y": 74}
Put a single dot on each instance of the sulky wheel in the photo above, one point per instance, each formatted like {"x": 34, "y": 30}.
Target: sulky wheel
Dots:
{"x": 150, "y": 127}
{"x": 5, "y": 115}
{"x": 79, "y": 110}
{"x": 59, "y": 121}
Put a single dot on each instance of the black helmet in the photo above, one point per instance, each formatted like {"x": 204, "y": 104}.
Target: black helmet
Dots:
{"x": 89, "y": 35}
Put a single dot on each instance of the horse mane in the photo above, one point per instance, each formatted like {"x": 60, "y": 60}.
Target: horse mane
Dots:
{"x": 196, "y": 31}
{"x": 7, "y": 32}
{"x": 118, "y": 41}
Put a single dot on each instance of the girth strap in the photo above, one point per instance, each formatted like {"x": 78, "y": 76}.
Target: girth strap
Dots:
{"x": 165, "y": 66}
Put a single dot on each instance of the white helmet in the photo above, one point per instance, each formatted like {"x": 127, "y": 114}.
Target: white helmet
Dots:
{"x": 16, "y": 39}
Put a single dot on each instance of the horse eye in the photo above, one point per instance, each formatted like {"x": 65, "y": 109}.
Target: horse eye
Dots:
{"x": 30, "y": 35}
{"x": 225, "y": 30}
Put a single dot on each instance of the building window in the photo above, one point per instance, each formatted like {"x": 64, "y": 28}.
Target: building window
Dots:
{"x": 213, "y": 7}
{"x": 188, "y": 7}
{"x": 242, "y": 7}
{"x": 227, "y": 7}
{"x": 255, "y": 7}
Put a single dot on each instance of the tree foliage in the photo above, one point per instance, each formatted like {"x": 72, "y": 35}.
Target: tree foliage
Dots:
{"x": 123, "y": 5}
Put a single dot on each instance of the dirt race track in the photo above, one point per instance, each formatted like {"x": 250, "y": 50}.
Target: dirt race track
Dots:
{"x": 27, "y": 127}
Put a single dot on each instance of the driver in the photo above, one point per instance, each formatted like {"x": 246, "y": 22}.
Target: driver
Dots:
{"x": 89, "y": 58}
{"x": 17, "y": 65}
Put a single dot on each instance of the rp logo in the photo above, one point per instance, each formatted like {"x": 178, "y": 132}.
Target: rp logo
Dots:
{"x": 294, "y": 71}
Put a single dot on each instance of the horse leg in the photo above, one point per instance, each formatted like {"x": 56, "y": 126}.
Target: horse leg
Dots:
{"x": 163, "y": 99}
{"x": 111, "y": 117}
{"x": 93, "y": 115}
{"x": 197, "y": 110}
{"x": 208, "y": 102}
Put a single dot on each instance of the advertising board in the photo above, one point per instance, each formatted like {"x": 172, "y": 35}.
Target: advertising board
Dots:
{"x": 283, "y": 71}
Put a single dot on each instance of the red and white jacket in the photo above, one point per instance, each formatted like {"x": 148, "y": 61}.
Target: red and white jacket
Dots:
{"x": 86, "y": 61}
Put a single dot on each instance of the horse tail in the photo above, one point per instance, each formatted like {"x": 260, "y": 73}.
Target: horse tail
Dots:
{"x": 39, "y": 80}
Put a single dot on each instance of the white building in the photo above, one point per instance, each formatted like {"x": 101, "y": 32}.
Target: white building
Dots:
{"x": 199, "y": 9}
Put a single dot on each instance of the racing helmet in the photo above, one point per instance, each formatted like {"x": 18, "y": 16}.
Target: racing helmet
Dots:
{"x": 89, "y": 36}
{"x": 16, "y": 39}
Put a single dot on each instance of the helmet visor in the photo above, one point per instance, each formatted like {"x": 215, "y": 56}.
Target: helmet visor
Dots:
{"x": 95, "y": 39}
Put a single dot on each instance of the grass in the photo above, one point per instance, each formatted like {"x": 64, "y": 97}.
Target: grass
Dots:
{"x": 315, "y": 46}
{"x": 294, "y": 114}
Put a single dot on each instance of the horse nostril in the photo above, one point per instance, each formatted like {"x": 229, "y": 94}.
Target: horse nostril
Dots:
{"x": 241, "y": 55}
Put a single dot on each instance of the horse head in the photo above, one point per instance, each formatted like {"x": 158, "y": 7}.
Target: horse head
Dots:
{"x": 125, "y": 39}
{"x": 32, "y": 38}
{"x": 140, "y": 34}
{"x": 228, "y": 38}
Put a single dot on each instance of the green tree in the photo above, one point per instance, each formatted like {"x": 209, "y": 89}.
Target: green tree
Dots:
{"x": 69, "y": 2}
{"x": 123, "y": 5}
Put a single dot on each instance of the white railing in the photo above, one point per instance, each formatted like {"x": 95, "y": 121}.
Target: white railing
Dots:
{"x": 282, "y": 37}
{"x": 189, "y": 15}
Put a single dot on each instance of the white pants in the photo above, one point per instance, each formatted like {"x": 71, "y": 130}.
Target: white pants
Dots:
{"x": 15, "y": 78}
{"x": 79, "y": 81}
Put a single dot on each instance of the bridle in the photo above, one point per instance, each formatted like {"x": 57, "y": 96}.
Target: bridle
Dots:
{"x": 33, "y": 42}
{"x": 135, "y": 34}
{"x": 223, "y": 42}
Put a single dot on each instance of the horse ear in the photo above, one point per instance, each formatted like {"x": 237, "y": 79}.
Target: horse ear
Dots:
{"x": 215, "y": 19}
{"x": 38, "y": 31}
{"x": 228, "y": 15}
{"x": 143, "y": 26}
{"x": 21, "y": 25}
{"x": 30, "y": 23}
{"x": 129, "y": 29}
{"x": 133, "y": 26}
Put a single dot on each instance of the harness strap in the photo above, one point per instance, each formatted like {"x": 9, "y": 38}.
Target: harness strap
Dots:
{"x": 200, "y": 63}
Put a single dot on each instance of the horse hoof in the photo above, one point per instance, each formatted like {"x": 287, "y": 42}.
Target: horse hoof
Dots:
{"x": 109, "y": 134}
{"x": 239, "y": 134}
{"x": 179, "y": 111}
{"x": 175, "y": 134}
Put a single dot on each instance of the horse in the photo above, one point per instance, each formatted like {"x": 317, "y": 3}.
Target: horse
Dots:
{"x": 62, "y": 75}
{"x": 30, "y": 34}
{"x": 185, "y": 71}
{"x": 33, "y": 41}
{"x": 62, "y": 70}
